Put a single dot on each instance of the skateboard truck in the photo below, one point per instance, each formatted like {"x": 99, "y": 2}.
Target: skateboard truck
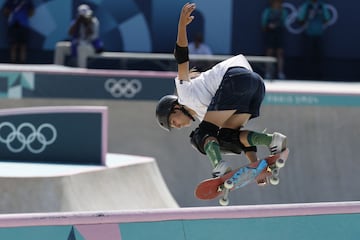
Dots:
{"x": 224, "y": 200}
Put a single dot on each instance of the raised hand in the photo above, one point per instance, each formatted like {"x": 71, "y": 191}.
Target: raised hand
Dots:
{"x": 185, "y": 16}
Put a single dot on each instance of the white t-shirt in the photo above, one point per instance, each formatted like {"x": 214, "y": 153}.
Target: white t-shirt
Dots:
{"x": 198, "y": 92}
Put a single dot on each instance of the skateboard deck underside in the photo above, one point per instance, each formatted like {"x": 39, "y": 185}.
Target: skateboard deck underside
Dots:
{"x": 211, "y": 188}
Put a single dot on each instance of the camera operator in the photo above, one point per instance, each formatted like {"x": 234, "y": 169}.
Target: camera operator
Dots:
{"x": 84, "y": 32}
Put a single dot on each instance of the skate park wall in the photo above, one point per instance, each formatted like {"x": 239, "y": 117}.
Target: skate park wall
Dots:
{"x": 320, "y": 120}
{"x": 283, "y": 221}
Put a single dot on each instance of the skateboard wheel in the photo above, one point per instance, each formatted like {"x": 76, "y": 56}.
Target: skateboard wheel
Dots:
{"x": 280, "y": 163}
{"x": 224, "y": 202}
{"x": 229, "y": 184}
{"x": 274, "y": 180}
{"x": 275, "y": 172}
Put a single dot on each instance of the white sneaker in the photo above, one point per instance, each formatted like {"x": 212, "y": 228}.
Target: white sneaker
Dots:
{"x": 278, "y": 143}
{"x": 221, "y": 168}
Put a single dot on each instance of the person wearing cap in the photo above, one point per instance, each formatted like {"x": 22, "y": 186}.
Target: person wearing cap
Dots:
{"x": 223, "y": 98}
{"x": 85, "y": 41}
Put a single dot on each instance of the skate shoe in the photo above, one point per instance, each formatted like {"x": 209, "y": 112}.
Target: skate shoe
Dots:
{"x": 221, "y": 169}
{"x": 278, "y": 143}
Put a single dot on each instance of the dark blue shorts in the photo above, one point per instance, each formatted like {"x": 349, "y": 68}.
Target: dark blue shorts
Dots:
{"x": 241, "y": 90}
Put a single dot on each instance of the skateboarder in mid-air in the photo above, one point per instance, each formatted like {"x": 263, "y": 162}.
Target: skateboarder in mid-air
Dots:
{"x": 223, "y": 98}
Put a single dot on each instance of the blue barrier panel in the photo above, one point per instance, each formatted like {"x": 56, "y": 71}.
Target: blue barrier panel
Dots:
{"x": 100, "y": 87}
{"x": 308, "y": 93}
{"x": 281, "y": 228}
{"x": 75, "y": 135}
{"x": 304, "y": 99}
{"x": 63, "y": 82}
{"x": 331, "y": 221}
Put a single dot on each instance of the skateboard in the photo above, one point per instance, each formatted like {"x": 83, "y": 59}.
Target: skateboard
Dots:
{"x": 267, "y": 168}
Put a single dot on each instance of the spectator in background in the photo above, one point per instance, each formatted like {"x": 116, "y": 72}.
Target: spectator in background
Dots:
{"x": 273, "y": 21}
{"x": 85, "y": 41}
{"x": 313, "y": 14}
{"x": 197, "y": 46}
{"x": 18, "y": 13}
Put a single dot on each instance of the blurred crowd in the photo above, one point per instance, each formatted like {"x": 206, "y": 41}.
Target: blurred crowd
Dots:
{"x": 84, "y": 38}
{"x": 312, "y": 15}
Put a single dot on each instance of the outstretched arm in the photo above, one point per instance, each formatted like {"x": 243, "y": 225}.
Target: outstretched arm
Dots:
{"x": 182, "y": 40}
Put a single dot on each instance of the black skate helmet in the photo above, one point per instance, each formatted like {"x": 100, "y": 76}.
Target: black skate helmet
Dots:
{"x": 163, "y": 109}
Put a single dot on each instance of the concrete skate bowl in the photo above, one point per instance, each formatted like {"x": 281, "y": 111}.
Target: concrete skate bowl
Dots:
{"x": 322, "y": 134}
{"x": 319, "y": 119}
{"x": 126, "y": 182}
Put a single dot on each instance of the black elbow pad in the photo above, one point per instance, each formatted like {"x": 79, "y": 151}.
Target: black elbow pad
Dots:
{"x": 181, "y": 54}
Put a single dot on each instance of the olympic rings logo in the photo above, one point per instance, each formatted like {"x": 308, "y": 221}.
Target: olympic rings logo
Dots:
{"x": 123, "y": 87}
{"x": 27, "y": 136}
{"x": 293, "y": 13}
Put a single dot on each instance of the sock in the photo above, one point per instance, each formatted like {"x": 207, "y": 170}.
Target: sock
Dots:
{"x": 255, "y": 139}
{"x": 212, "y": 150}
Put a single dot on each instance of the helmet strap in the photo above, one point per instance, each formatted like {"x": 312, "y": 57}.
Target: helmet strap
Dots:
{"x": 187, "y": 113}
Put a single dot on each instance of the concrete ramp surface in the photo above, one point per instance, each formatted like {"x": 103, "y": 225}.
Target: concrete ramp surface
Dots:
{"x": 127, "y": 182}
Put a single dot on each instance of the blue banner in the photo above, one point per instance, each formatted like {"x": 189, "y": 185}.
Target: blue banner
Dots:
{"x": 88, "y": 86}
{"x": 53, "y": 136}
